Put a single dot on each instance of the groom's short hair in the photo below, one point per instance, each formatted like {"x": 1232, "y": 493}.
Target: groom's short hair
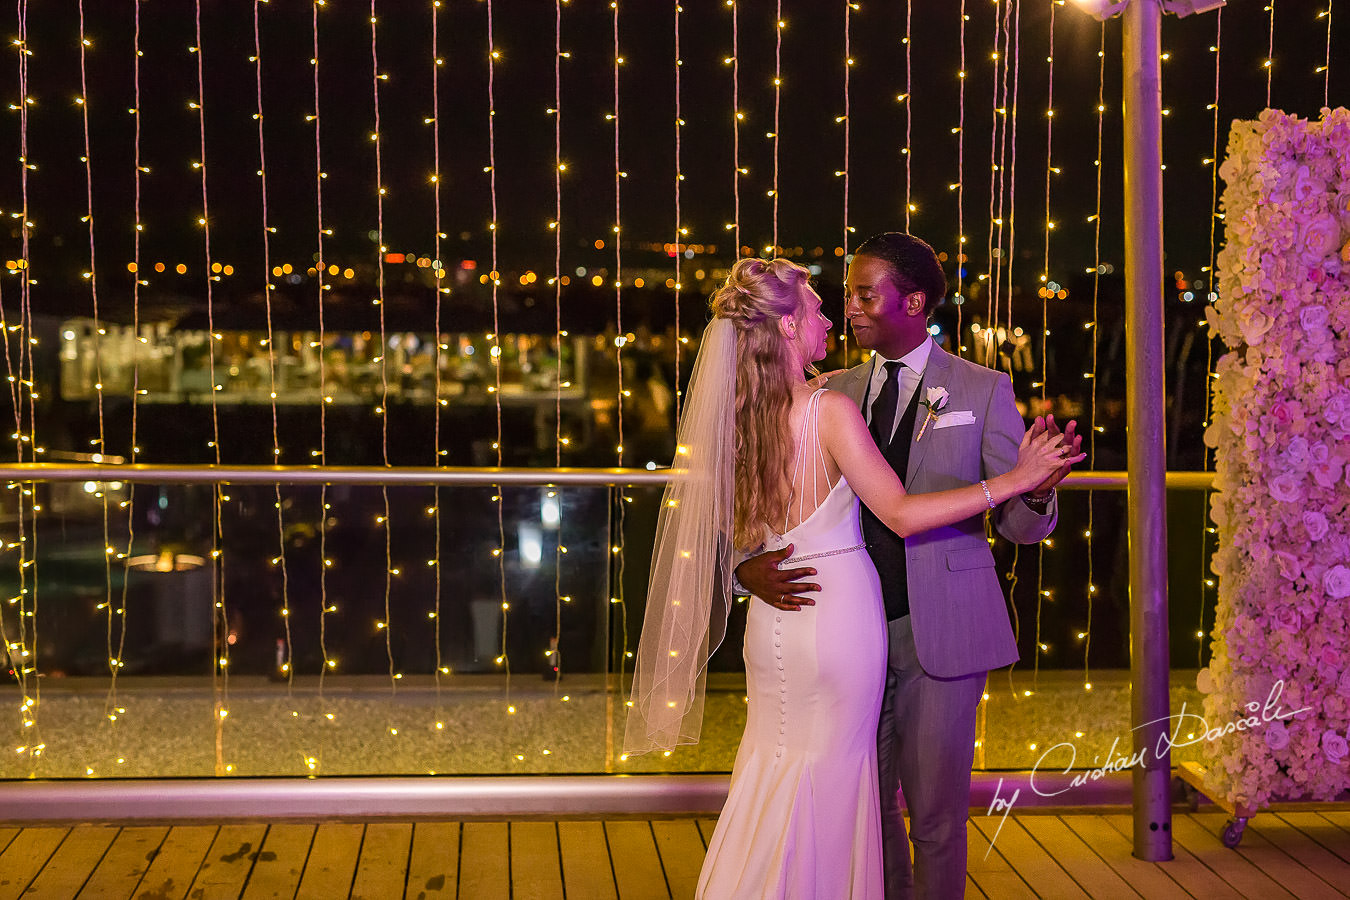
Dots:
{"x": 913, "y": 264}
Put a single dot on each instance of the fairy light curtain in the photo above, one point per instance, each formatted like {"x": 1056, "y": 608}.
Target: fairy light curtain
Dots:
{"x": 309, "y": 172}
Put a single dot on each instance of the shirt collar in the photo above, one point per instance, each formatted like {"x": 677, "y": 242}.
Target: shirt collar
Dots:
{"x": 916, "y": 359}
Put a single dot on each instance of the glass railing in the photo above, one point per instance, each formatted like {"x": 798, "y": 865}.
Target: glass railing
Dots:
{"x": 469, "y": 628}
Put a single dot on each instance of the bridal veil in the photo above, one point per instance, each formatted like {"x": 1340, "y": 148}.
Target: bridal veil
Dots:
{"x": 689, "y": 592}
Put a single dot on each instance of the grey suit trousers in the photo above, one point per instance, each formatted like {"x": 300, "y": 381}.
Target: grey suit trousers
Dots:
{"x": 926, "y": 745}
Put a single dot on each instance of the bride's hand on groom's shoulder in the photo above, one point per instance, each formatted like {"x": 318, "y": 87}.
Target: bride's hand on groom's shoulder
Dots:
{"x": 821, "y": 380}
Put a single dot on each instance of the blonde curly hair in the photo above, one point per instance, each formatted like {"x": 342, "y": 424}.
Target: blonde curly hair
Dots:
{"x": 757, "y": 294}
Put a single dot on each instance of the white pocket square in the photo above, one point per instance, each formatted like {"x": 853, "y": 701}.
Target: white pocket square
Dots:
{"x": 954, "y": 418}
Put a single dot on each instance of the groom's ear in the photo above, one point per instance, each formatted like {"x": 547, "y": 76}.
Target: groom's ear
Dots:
{"x": 914, "y": 303}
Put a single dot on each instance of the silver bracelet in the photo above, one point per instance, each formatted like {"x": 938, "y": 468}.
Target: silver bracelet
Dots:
{"x": 988, "y": 497}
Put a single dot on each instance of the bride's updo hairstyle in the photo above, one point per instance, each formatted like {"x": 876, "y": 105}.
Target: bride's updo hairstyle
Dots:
{"x": 756, "y": 296}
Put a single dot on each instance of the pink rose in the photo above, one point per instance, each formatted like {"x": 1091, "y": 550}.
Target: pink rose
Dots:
{"x": 1288, "y": 618}
{"x": 1290, "y": 567}
{"x": 1204, "y": 681}
{"x": 1286, "y": 487}
{"x": 1313, "y": 318}
{"x": 1297, "y": 452}
{"x": 1277, "y": 735}
{"x": 1307, "y": 185}
{"x": 1327, "y": 473}
{"x": 1316, "y": 524}
{"x": 1334, "y": 746}
{"x": 1336, "y": 582}
{"x": 1331, "y": 658}
{"x": 1343, "y": 685}
{"x": 1337, "y": 407}
{"x": 1320, "y": 236}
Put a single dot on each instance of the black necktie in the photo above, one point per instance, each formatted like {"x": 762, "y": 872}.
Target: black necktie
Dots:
{"x": 883, "y": 408}
{"x": 886, "y": 548}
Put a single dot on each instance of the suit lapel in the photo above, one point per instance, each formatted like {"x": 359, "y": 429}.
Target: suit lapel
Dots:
{"x": 935, "y": 374}
{"x": 853, "y": 383}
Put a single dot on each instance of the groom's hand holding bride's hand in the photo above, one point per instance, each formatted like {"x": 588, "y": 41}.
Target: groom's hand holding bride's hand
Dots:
{"x": 777, "y": 587}
{"x": 1072, "y": 443}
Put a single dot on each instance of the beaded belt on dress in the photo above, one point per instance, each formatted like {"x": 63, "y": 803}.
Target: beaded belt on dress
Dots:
{"x": 852, "y": 549}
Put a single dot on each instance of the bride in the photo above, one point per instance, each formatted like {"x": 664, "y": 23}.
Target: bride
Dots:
{"x": 763, "y": 458}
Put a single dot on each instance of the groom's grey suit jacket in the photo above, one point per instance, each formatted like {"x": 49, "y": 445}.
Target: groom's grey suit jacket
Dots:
{"x": 957, "y": 606}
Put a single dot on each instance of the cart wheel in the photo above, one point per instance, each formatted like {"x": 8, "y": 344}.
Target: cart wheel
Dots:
{"x": 1232, "y": 832}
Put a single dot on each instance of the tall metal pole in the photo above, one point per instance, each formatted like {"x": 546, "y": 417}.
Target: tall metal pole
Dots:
{"x": 1146, "y": 493}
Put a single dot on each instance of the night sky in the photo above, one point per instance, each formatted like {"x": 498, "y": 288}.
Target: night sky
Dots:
{"x": 811, "y": 147}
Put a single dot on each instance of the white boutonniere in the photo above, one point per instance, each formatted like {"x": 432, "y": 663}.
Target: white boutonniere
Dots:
{"x": 935, "y": 398}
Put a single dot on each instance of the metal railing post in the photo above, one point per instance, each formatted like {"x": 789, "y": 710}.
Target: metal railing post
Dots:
{"x": 1146, "y": 493}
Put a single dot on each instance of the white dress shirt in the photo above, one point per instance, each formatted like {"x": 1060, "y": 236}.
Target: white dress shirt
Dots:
{"x": 911, "y": 375}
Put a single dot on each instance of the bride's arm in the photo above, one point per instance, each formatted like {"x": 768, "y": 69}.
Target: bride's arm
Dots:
{"x": 848, "y": 443}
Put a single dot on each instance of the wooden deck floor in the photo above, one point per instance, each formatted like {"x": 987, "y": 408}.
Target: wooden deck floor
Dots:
{"x": 1284, "y": 855}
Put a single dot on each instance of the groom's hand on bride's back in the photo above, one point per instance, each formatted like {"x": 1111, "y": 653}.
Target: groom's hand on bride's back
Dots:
{"x": 780, "y": 588}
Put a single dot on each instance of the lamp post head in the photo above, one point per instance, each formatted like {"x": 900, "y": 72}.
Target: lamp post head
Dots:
{"x": 1106, "y": 9}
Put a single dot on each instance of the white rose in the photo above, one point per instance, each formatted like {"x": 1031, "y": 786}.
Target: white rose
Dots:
{"x": 1313, "y": 318}
{"x": 1204, "y": 681}
{"x": 1318, "y": 238}
{"x": 937, "y": 398}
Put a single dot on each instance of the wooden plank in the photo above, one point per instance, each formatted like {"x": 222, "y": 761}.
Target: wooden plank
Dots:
{"x": 229, "y": 861}
{"x": 276, "y": 872}
{"x": 681, "y": 849}
{"x": 1314, "y": 842}
{"x": 332, "y": 861}
{"x": 1152, "y": 880}
{"x": 7, "y": 834}
{"x": 484, "y": 861}
{"x": 383, "y": 868}
{"x": 585, "y": 861}
{"x": 1261, "y": 852}
{"x": 637, "y": 865}
{"x": 433, "y": 865}
{"x": 1324, "y": 833}
{"x": 973, "y": 891}
{"x": 1036, "y": 867}
{"x": 705, "y": 830}
{"x": 176, "y": 862}
{"x": 536, "y": 871}
{"x": 1340, "y": 819}
{"x": 1241, "y": 875}
{"x": 25, "y": 856}
{"x": 125, "y": 863}
{"x": 986, "y": 866}
{"x": 74, "y": 861}
{"x": 1087, "y": 869}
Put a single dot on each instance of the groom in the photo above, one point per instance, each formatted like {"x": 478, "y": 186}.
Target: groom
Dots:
{"x": 947, "y": 619}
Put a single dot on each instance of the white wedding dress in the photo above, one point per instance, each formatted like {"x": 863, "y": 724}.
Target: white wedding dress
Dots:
{"x": 802, "y": 818}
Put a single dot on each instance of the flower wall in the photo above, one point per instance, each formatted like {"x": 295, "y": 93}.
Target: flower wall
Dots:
{"x": 1281, "y": 429}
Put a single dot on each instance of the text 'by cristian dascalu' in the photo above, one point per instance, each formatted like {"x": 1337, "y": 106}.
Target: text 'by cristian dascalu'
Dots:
{"x": 1197, "y": 730}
